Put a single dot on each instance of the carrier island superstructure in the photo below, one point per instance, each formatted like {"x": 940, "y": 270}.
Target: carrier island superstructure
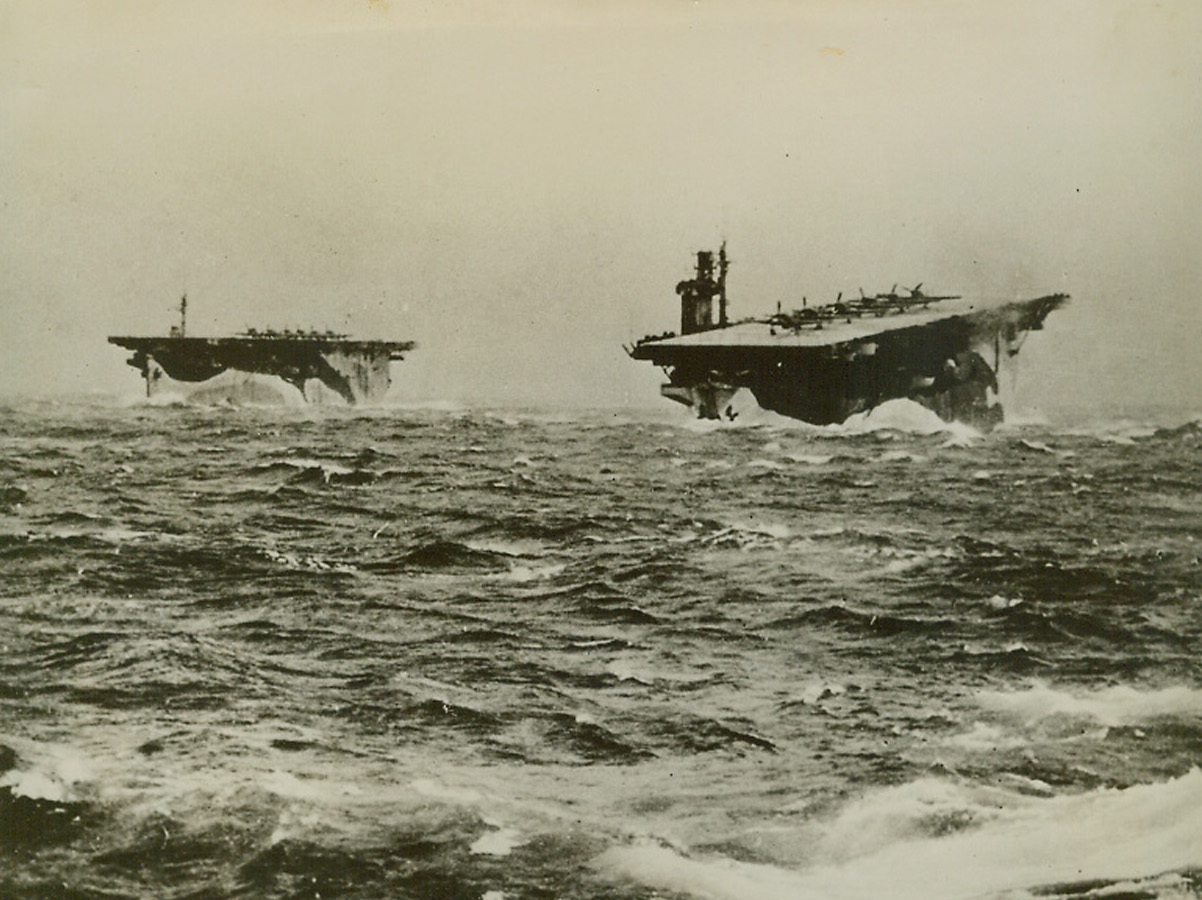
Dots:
{"x": 321, "y": 365}
{"x": 824, "y": 363}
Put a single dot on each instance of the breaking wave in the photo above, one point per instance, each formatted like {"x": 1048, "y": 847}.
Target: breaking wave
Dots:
{"x": 934, "y": 840}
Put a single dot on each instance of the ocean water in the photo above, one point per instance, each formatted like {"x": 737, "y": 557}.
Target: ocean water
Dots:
{"x": 483, "y": 655}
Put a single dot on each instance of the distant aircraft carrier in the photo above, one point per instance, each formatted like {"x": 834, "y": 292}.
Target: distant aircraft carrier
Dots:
{"x": 357, "y": 371}
{"x": 822, "y": 364}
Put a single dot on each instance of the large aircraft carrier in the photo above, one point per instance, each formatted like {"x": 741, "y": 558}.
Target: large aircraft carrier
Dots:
{"x": 822, "y": 364}
{"x": 321, "y": 365}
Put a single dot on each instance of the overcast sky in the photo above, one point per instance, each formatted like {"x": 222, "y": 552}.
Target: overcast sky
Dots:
{"x": 519, "y": 186}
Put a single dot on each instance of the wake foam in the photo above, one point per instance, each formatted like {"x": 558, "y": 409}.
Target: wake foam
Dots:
{"x": 895, "y": 415}
{"x": 900, "y": 416}
{"x": 989, "y": 842}
{"x": 54, "y": 775}
{"x": 1111, "y": 706}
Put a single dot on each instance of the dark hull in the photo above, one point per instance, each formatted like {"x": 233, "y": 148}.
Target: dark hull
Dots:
{"x": 357, "y": 371}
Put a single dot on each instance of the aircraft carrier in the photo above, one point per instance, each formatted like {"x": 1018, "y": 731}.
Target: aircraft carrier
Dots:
{"x": 320, "y": 365}
{"x": 824, "y": 363}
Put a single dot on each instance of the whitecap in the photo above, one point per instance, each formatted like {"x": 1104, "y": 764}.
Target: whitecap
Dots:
{"x": 447, "y": 794}
{"x": 55, "y": 775}
{"x": 809, "y": 459}
{"x": 765, "y": 464}
{"x": 1111, "y": 706}
{"x": 896, "y": 843}
{"x": 983, "y": 737}
{"x": 816, "y": 691}
{"x": 998, "y": 602}
{"x": 900, "y": 456}
{"x": 522, "y": 574}
{"x": 328, "y": 469}
{"x": 497, "y": 842}
{"x": 285, "y": 784}
{"x": 35, "y": 786}
{"x": 624, "y": 670}
{"x": 510, "y": 547}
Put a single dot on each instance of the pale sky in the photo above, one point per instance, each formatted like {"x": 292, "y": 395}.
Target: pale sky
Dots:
{"x": 519, "y": 186}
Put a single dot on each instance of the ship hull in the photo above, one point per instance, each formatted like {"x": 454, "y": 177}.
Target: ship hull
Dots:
{"x": 824, "y": 392}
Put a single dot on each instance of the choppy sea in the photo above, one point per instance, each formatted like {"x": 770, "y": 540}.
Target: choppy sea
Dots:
{"x": 521, "y": 655}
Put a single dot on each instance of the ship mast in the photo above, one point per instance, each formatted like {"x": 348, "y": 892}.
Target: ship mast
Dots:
{"x": 180, "y": 330}
{"x": 723, "y": 263}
